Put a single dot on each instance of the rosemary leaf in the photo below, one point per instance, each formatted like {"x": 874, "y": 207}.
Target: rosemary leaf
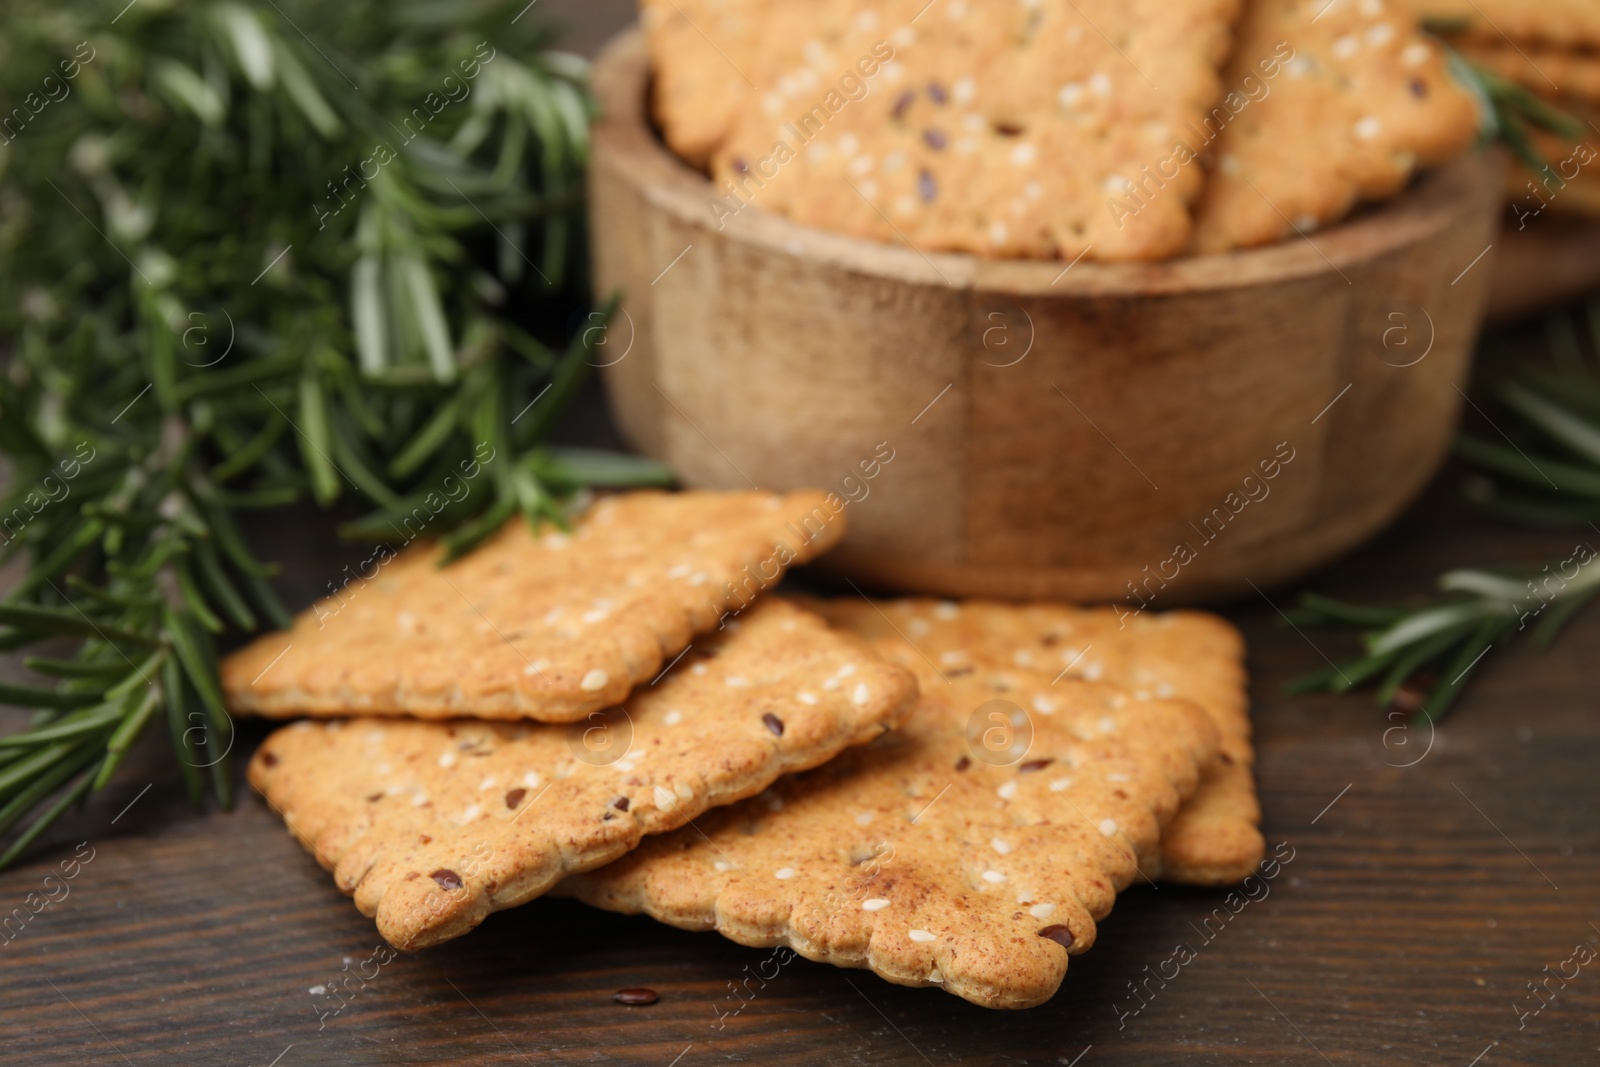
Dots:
{"x": 46, "y": 783}
{"x": 1471, "y": 653}
{"x": 32, "y": 696}
{"x": 133, "y": 724}
{"x": 301, "y": 299}
{"x": 76, "y": 792}
{"x": 89, "y": 721}
{"x": 178, "y": 724}
{"x": 1416, "y": 658}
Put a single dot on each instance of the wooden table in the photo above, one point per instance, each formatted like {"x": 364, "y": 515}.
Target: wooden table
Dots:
{"x": 1420, "y": 903}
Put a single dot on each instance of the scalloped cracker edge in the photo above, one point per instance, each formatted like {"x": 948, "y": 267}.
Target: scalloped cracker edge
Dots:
{"x": 540, "y": 625}
{"x": 912, "y": 858}
{"x": 431, "y": 826}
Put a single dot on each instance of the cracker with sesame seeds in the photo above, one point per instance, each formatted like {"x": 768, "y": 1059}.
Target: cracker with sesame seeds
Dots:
{"x": 1328, "y": 105}
{"x": 431, "y": 826}
{"x": 1004, "y": 133}
{"x": 706, "y": 53}
{"x": 1033, "y": 649}
{"x": 538, "y": 625}
{"x": 919, "y": 858}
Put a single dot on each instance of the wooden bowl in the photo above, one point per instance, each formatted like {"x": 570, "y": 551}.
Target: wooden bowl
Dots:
{"x": 1169, "y": 432}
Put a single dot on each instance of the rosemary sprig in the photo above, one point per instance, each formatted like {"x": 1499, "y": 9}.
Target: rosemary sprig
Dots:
{"x": 253, "y": 253}
{"x": 1540, "y": 463}
{"x": 1446, "y": 638}
{"x": 1539, "y": 466}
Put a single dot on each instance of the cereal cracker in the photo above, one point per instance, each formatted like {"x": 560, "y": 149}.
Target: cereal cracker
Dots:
{"x": 1185, "y": 655}
{"x": 433, "y": 825}
{"x": 1027, "y": 130}
{"x": 1330, "y": 104}
{"x": 918, "y": 858}
{"x": 541, "y": 625}
{"x": 702, "y": 52}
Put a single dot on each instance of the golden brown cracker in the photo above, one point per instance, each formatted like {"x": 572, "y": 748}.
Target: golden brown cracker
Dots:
{"x": 703, "y": 53}
{"x": 433, "y": 825}
{"x": 541, "y": 625}
{"x": 1017, "y": 131}
{"x": 1363, "y": 101}
{"x": 1185, "y": 655}
{"x": 917, "y": 857}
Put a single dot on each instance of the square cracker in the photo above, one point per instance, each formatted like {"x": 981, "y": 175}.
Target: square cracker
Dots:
{"x": 916, "y": 857}
{"x": 1186, "y": 655}
{"x": 1364, "y": 101}
{"x": 538, "y": 625}
{"x": 1001, "y": 131}
{"x": 433, "y": 825}
{"x": 702, "y": 53}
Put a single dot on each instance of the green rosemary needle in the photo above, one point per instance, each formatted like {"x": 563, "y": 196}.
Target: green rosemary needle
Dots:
{"x": 1447, "y": 637}
{"x": 1538, "y": 464}
{"x": 254, "y": 252}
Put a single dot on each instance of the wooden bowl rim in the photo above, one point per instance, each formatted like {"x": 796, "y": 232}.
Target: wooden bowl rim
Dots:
{"x": 621, "y": 77}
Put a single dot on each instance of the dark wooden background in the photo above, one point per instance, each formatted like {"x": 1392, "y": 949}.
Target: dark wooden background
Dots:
{"x": 1421, "y": 903}
{"x": 1414, "y": 914}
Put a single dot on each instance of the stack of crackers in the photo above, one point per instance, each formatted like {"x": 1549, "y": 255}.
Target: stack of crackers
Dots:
{"x": 1107, "y": 129}
{"x": 950, "y": 794}
{"x": 1551, "y": 49}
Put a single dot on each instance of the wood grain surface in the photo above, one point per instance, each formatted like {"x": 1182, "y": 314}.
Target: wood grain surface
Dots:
{"x": 1418, "y": 908}
{"x": 1420, "y": 903}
